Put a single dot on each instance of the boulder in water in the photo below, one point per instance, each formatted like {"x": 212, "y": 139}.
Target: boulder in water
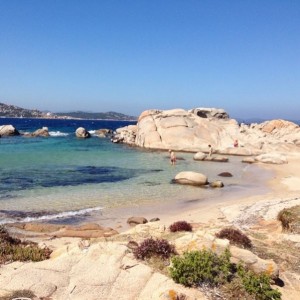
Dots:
{"x": 82, "y": 133}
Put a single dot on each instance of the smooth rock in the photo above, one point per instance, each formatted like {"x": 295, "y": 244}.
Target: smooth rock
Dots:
{"x": 136, "y": 220}
{"x": 272, "y": 158}
{"x": 216, "y": 184}
{"x": 82, "y": 133}
{"x": 199, "y": 156}
{"x": 8, "y": 130}
{"x": 154, "y": 219}
{"x": 191, "y": 178}
{"x": 225, "y": 174}
{"x": 249, "y": 160}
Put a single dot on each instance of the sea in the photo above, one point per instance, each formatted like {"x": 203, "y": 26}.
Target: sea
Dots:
{"x": 62, "y": 178}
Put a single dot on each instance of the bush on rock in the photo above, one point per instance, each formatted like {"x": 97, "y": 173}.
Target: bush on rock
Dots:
{"x": 151, "y": 247}
{"x": 235, "y": 237}
{"x": 180, "y": 226}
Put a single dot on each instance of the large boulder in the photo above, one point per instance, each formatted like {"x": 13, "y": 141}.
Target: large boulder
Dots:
{"x": 8, "y": 130}
{"x": 39, "y": 132}
{"x": 190, "y": 178}
{"x": 82, "y": 133}
{"x": 181, "y": 130}
{"x": 199, "y": 156}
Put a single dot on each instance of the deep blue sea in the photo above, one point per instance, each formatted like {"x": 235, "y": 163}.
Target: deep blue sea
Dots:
{"x": 61, "y": 176}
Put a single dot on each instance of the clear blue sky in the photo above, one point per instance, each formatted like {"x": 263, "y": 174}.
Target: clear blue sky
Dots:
{"x": 128, "y": 56}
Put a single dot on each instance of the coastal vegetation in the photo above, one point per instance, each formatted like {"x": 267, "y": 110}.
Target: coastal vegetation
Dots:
{"x": 180, "y": 226}
{"x": 154, "y": 247}
{"x": 205, "y": 268}
{"x": 13, "y": 249}
{"x": 290, "y": 219}
{"x": 235, "y": 237}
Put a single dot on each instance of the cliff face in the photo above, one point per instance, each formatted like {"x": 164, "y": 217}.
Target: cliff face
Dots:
{"x": 193, "y": 130}
{"x": 12, "y": 111}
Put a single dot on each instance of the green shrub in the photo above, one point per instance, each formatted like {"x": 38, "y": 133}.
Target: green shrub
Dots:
{"x": 198, "y": 267}
{"x": 235, "y": 237}
{"x": 258, "y": 285}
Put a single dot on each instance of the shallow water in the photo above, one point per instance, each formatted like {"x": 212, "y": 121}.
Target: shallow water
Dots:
{"x": 62, "y": 176}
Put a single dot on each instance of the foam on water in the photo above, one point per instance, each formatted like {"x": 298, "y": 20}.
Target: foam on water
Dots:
{"x": 62, "y": 215}
{"x": 58, "y": 133}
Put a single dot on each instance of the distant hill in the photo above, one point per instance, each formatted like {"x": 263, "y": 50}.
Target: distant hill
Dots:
{"x": 12, "y": 111}
{"x": 111, "y": 115}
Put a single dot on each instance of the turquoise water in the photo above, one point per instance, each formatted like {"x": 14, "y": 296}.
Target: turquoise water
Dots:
{"x": 62, "y": 176}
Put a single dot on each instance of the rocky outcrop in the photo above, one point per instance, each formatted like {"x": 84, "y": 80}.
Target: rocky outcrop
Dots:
{"x": 190, "y": 178}
{"x": 82, "y": 133}
{"x": 195, "y": 129}
{"x": 268, "y": 158}
{"x": 39, "y": 132}
{"x": 216, "y": 113}
{"x": 103, "y": 133}
{"x": 125, "y": 134}
{"x": 272, "y": 158}
{"x": 89, "y": 230}
{"x": 8, "y": 130}
{"x": 181, "y": 130}
{"x": 83, "y": 270}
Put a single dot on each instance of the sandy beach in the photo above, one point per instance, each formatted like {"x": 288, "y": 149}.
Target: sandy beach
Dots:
{"x": 254, "y": 212}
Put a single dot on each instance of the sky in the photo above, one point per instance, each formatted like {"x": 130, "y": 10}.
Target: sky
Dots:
{"x": 132, "y": 55}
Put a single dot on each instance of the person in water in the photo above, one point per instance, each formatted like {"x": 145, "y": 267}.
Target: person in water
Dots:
{"x": 172, "y": 157}
{"x": 210, "y": 152}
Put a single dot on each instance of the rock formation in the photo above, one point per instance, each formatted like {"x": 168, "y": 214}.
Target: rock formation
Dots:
{"x": 103, "y": 132}
{"x": 8, "y": 130}
{"x": 82, "y": 133}
{"x": 191, "y": 178}
{"x": 195, "y": 129}
{"x": 39, "y": 132}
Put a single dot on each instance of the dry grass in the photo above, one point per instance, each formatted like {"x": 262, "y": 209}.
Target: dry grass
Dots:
{"x": 290, "y": 219}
